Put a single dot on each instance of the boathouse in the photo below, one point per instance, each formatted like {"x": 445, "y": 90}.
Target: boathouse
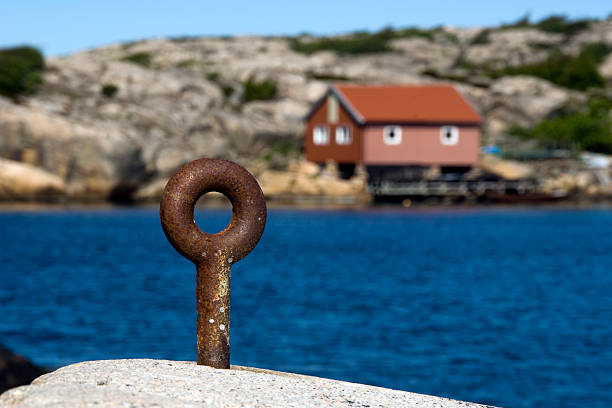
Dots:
{"x": 393, "y": 125}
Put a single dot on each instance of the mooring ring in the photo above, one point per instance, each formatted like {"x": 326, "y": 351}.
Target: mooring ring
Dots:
{"x": 184, "y": 189}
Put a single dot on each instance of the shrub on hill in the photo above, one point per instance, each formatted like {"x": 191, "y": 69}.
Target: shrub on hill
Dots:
{"x": 552, "y": 24}
{"x": 482, "y": 37}
{"x": 143, "y": 59}
{"x": 364, "y": 42}
{"x": 361, "y": 43}
{"x": 259, "y": 91}
{"x": 216, "y": 78}
{"x": 20, "y": 71}
{"x": 575, "y": 72}
{"x": 109, "y": 90}
{"x": 561, "y": 24}
{"x": 587, "y": 129}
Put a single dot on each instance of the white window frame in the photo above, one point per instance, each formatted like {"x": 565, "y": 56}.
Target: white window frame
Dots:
{"x": 317, "y": 138}
{"x": 454, "y": 135}
{"x": 397, "y": 139}
{"x": 345, "y": 139}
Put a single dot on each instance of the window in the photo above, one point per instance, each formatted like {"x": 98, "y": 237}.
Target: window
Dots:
{"x": 392, "y": 135}
{"x": 449, "y": 135}
{"x": 332, "y": 109}
{"x": 320, "y": 135}
{"x": 343, "y": 135}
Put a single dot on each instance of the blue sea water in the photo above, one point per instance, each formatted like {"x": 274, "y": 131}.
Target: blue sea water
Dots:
{"x": 510, "y": 307}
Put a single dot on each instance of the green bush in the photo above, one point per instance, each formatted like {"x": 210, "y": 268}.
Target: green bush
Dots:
{"x": 259, "y": 91}
{"x": 20, "y": 71}
{"x": 216, "y": 78}
{"x": 280, "y": 153}
{"x": 363, "y": 42}
{"x": 143, "y": 59}
{"x": 588, "y": 129}
{"x": 552, "y": 24}
{"x": 575, "y": 72}
{"x": 417, "y": 32}
{"x": 227, "y": 90}
{"x": 482, "y": 37}
{"x": 326, "y": 77}
{"x": 109, "y": 90}
{"x": 212, "y": 76}
{"x": 522, "y": 22}
{"x": 596, "y": 51}
{"x": 561, "y": 24}
{"x": 358, "y": 43}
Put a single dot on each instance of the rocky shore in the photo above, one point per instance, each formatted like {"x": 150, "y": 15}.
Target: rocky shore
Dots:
{"x": 113, "y": 123}
{"x": 15, "y": 370}
{"x": 163, "y": 383}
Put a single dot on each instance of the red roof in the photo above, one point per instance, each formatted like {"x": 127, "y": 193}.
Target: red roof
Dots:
{"x": 407, "y": 103}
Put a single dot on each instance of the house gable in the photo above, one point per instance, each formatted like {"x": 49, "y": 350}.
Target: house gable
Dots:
{"x": 336, "y": 148}
{"x": 350, "y": 110}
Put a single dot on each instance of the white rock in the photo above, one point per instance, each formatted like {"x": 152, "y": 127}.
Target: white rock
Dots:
{"x": 22, "y": 181}
{"x": 523, "y": 100}
{"x": 162, "y": 383}
{"x": 605, "y": 69}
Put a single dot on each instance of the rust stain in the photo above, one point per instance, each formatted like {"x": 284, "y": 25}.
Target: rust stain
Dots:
{"x": 213, "y": 254}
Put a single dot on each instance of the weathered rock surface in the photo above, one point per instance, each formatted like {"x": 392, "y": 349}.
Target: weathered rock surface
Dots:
{"x": 512, "y": 47}
{"x": 521, "y": 100}
{"x": 506, "y": 169}
{"x": 605, "y": 69}
{"x": 19, "y": 181}
{"x": 190, "y": 101}
{"x": 15, "y": 370}
{"x": 162, "y": 383}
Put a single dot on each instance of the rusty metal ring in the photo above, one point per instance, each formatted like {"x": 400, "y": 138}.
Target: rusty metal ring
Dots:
{"x": 184, "y": 189}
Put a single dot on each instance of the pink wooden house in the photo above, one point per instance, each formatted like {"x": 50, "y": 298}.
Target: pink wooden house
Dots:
{"x": 394, "y": 125}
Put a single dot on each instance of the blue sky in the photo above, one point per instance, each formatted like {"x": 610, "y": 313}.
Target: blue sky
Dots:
{"x": 64, "y": 26}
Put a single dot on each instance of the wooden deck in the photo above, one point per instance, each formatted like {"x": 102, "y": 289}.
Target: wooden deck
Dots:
{"x": 452, "y": 188}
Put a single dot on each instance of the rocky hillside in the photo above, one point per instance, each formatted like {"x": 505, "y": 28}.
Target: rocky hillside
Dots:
{"x": 115, "y": 122}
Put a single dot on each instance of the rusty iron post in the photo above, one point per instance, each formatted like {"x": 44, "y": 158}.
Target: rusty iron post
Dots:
{"x": 213, "y": 254}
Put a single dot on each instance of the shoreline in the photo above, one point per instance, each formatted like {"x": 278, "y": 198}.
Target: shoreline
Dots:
{"x": 324, "y": 204}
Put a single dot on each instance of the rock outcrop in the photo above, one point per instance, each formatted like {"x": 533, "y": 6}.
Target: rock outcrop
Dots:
{"x": 162, "y": 383}
{"x": 187, "y": 99}
{"x": 20, "y": 181}
{"x": 15, "y": 370}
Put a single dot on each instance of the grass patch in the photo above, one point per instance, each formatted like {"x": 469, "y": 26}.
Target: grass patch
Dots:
{"x": 589, "y": 128}
{"x": 20, "y": 71}
{"x": 259, "y": 91}
{"x": 143, "y": 59}
{"x": 109, "y": 90}
{"x": 188, "y": 63}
